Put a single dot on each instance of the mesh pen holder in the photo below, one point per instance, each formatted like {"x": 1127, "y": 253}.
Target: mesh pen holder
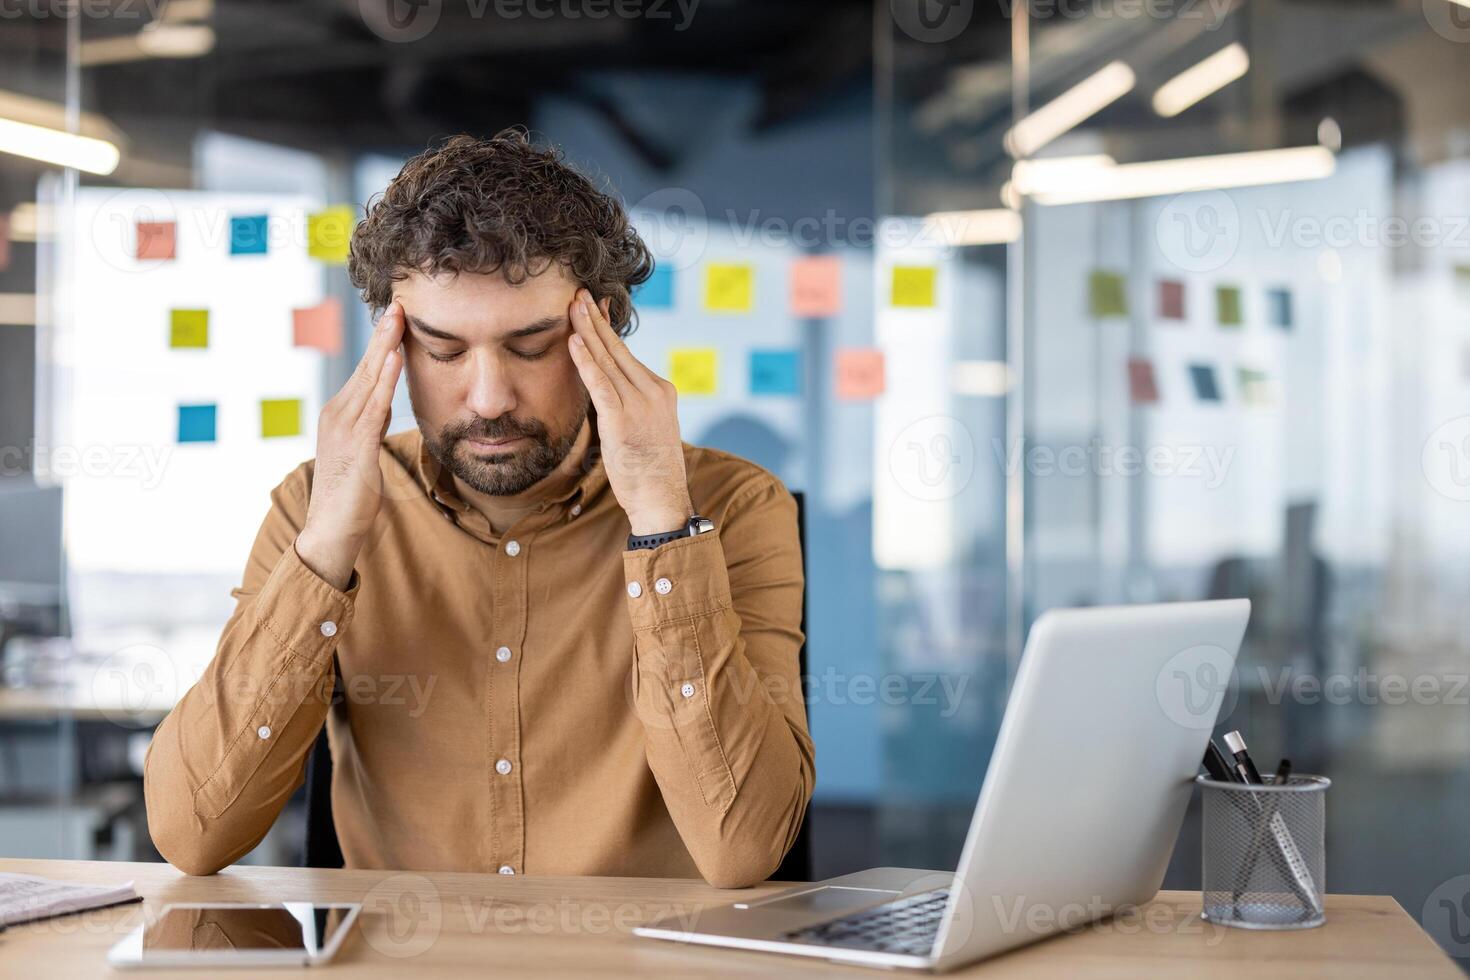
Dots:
{"x": 1264, "y": 853}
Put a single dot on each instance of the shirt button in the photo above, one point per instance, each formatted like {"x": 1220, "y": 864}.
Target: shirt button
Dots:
{"x": 512, "y": 548}
{"x": 503, "y": 767}
{"x": 264, "y": 731}
{"x": 503, "y": 654}
{"x": 663, "y": 586}
{"x": 687, "y": 690}
{"x": 634, "y": 589}
{"x": 329, "y": 628}
{"x": 506, "y": 869}
{"x": 576, "y": 509}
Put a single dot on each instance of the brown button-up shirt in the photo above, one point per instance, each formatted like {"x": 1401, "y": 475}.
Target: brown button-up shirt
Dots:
{"x": 536, "y": 701}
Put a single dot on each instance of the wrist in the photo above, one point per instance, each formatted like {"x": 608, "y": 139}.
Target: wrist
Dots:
{"x": 659, "y": 519}
{"x": 331, "y": 560}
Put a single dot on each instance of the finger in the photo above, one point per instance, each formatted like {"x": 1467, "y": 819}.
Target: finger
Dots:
{"x": 635, "y": 370}
{"x": 605, "y": 396}
{"x": 584, "y": 327}
{"x": 386, "y": 338}
{"x": 379, "y": 409}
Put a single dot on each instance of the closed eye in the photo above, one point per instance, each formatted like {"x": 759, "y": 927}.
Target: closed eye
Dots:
{"x": 530, "y": 355}
{"x": 443, "y": 358}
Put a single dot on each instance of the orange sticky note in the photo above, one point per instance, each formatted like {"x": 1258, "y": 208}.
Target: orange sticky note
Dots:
{"x": 319, "y": 326}
{"x": 156, "y": 239}
{"x": 816, "y": 286}
{"x": 859, "y": 373}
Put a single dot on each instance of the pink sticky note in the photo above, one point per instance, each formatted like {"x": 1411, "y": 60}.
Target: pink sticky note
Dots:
{"x": 4, "y": 242}
{"x": 319, "y": 326}
{"x": 816, "y": 286}
{"x": 859, "y": 373}
{"x": 156, "y": 239}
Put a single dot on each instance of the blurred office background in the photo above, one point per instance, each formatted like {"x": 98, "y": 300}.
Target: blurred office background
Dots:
{"x": 1046, "y": 304}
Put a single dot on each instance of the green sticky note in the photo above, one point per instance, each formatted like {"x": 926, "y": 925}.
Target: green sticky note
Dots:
{"x": 1255, "y": 387}
{"x": 913, "y": 285}
{"x": 1106, "y": 295}
{"x": 188, "y": 328}
{"x": 280, "y": 417}
{"x": 1227, "y": 306}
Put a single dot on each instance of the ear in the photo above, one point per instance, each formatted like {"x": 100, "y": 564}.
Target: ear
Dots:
{"x": 606, "y": 307}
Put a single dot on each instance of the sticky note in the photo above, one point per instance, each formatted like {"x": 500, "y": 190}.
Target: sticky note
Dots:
{"x": 775, "y": 372}
{"x": 4, "y": 242}
{"x": 1206, "y": 388}
{"x": 1462, "y": 273}
{"x": 280, "y": 417}
{"x": 248, "y": 234}
{"x": 1255, "y": 386}
{"x": 188, "y": 328}
{"x": 329, "y": 233}
{"x": 913, "y": 286}
{"x": 1227, "y": 306}
{"x": 1171, "y": 299}
{"x": 859, "y": 373}
{"x": 816, "y": 286}
{"x": 319, "y": 326}
{"x": 729, "y": 287}
{"x": 156, "y": 239}
{"x": 1106, "y": 295}
{"x": 196, "y": 423}
{"x": 694, "y": 370}
{"x": 1278, "y": 306}
{"x": 1143, "y": 389}
{"x": 657, "y": 291}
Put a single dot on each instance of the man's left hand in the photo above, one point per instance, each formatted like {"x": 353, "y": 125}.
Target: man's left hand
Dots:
{"x": 637, "y": 422}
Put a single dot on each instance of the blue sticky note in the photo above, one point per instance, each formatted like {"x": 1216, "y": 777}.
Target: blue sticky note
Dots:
{"x": 775, "y": 372}
{"x": 196, "y": 423}
{"x": 1206, "y": 388}
{"x": 248, "y": 234}
{"x": 658, "y": 291}
{"x": 1279, "y": 301}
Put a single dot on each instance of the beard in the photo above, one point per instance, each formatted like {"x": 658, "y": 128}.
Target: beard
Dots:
{"x": 503, "y": 474}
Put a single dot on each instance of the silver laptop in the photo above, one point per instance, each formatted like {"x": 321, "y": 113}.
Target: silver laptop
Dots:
{"x": 1086, "y": 790}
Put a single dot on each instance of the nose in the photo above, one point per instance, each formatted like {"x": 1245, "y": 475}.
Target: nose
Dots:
{"x": 491, "y": 393}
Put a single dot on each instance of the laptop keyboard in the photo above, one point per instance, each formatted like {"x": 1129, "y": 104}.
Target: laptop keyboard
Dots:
{"x": 906, "y": 925}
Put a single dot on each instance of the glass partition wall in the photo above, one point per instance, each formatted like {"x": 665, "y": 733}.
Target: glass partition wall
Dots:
{"x": 1238, "y": 365}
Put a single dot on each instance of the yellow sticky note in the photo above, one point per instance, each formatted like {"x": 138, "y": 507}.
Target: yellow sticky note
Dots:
{"x": 329, "y": 233}
{"x": 913, "y": 285}
{"x": 694, "y": 370}
{"x": 729, "y": 287}
{"x": 188, "y": 328}
{"x": 280, "y": 417}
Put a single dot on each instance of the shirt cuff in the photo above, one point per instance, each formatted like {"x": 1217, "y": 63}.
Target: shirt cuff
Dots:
{"x": 686, "y": 577}
{"x": 302, "y": 611}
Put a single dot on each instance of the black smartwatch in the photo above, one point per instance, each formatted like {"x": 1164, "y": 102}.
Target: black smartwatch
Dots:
{"x": 695, "y": 525}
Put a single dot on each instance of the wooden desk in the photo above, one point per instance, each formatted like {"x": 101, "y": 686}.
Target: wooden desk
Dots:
{"x": 449, "y": 925}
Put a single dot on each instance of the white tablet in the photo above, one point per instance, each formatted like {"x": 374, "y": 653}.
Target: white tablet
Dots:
{"x": 226, "y": 935}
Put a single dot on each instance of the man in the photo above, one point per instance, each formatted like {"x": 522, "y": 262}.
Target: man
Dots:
{"x": 567, "y": 641}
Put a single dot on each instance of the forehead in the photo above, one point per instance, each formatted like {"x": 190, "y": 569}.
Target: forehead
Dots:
{"x": 474, "y": 304}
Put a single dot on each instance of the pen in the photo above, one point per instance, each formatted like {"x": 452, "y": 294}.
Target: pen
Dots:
{"x": 1216, "y": 765}
{"x": 1243, "y": 764}
{"x": 1283, "y": 773}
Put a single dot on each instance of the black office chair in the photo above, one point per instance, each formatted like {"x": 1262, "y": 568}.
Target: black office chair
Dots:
{"x": 323, "y": 850}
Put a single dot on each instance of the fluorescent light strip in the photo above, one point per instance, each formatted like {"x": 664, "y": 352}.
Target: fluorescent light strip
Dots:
{"x": 53, "y": 146}
{"x": 1066, "y": 111}
{"x": 1204, "y": 79}
{"x": 995, "y": 226}
{"x": 1160, "y": 177}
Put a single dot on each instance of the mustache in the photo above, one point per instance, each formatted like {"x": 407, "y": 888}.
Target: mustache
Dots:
{"x": 493, "y": 430}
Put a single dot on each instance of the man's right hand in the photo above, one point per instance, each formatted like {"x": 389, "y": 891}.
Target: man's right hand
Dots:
{"x": 347, "y": 488}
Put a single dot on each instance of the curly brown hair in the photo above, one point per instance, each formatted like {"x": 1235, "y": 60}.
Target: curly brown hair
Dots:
{"x": 500, "y": 204}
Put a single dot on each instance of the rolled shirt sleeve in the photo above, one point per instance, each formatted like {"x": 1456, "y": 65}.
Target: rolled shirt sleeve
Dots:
{"x": 716, "y": 621}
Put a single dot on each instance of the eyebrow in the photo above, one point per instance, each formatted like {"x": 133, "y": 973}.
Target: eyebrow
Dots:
{"x": 537, "y": 326}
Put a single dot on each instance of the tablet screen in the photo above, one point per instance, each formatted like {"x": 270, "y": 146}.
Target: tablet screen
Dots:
{"x": 294, "y": 926}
